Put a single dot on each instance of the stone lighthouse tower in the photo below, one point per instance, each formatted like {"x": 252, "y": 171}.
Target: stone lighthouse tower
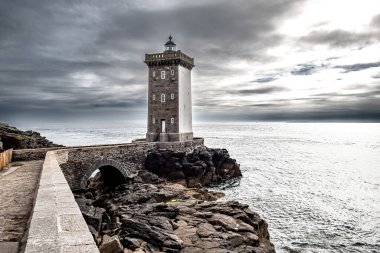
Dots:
{"x": 169, "y": 95}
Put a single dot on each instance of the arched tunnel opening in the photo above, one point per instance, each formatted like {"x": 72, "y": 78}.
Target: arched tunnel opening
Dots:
{"x": 110, "y": 175}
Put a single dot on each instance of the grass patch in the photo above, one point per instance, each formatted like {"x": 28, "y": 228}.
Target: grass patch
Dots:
{"x": 22, "y": 137}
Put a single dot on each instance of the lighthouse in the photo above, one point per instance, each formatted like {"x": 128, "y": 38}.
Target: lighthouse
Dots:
{"x": 169, "y": 95}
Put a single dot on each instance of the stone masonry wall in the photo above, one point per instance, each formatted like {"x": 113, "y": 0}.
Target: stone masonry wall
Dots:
{"x": 76, "y": 162}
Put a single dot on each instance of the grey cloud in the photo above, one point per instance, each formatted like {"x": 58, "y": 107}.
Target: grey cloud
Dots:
{"x": 264, "y": 90}
{"x": 303, "y": 69}
{"x": 358, "y": 66}
{"x": 376, "y": 22}
{"x": 326, "y": 111}
{"x": 44, "y": 44}
{"x": 340, "y": 38}
{"x": 264, "y": 79}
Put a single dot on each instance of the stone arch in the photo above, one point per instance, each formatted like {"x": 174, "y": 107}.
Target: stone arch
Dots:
{"x": 120, "y": 171}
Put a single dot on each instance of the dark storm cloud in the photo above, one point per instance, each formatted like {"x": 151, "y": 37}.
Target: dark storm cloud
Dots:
{"x": 324, "y": 109}
{"x": 303, "y": 69}
{"x": 359, "y": 66}
{"x": 63, "y": 56}
{"x": 68, "y": 59}
{"x": 371, "y": 93}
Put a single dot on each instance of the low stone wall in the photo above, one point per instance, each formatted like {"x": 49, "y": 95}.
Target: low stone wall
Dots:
{"x": 39, "y": 153}
{"x": 30, "y": 154}
{"x": 57, "y": 224}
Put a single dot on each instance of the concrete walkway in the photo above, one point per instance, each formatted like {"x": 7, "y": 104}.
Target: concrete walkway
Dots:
{"x": 57, "y": 224}
{"x": 17, "y": 192}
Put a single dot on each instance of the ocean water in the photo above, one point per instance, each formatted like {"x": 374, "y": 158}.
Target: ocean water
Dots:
{"x": 316, "y": 184}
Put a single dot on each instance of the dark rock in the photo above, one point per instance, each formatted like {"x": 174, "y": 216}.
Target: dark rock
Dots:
{"x": 141, "y": 228}
{"x": 150, "y": 214}
{"x": 111, "y": 245}
{"x": 132, "y": 243}
{"x": 201, "y": 167}
{"x": 17, "y": 139}
{"x": 93, "y": 216}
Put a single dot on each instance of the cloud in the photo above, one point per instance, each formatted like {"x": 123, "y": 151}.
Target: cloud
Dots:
{"x": 376, "y": 22}
{"x": 358, "y": 66}
{"x": 265, "y": 90}
{"x": 75, "y": 58}
{"x": 340, "y": 38}
{"x": 303, "y": 69}
{"x": 79, "y": 55}
{"x": 264, "y": 79}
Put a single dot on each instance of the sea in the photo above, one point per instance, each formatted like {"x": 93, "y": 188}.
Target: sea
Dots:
{"x": 316, "y": 184}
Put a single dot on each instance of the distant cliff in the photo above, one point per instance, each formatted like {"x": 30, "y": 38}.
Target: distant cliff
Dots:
{"x": 17, "y": 139}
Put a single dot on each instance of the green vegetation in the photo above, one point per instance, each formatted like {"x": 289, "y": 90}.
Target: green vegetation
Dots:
{"x": 22, "y": 137}
{"x": 172, "y": 200}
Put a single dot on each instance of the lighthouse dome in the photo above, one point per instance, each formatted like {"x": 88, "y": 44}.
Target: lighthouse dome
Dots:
{"x": 170, "y": 45}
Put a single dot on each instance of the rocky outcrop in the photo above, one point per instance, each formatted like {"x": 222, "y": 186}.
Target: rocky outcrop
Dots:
{"x": 149, "y": 214}
{"x": 17, "y": 139}
{"x": 203, "y": 166}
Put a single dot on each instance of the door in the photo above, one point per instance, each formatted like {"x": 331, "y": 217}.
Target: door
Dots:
{"x": 163, "y": 126}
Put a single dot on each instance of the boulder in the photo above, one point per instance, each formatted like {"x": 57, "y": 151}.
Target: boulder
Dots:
{"x": 201, "y": 167}
{"x": 111, "y": 245}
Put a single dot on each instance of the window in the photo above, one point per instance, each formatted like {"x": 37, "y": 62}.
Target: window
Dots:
{"x": 162, "y": 97}
{"x": 162, "y": 74}
{"x": 172, "y": 72}
{"x": 172, "y": 96}
{"x": 154, "y": 97}
{"x": 154, "y": 73}
{"x": 172, "y": 120}
{"x": 153, "y": 120}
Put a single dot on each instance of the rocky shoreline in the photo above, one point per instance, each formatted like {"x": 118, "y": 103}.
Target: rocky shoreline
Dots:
{"x": 163, "y": 208}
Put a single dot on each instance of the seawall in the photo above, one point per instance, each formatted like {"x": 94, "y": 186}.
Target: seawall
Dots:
{"x": 57, "y": 224}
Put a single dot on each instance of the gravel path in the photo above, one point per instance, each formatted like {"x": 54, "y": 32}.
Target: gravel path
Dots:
{"x": 17, "y": 192}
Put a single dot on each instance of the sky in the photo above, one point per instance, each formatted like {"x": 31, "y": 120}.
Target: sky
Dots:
{"x": 256, "y": 60}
